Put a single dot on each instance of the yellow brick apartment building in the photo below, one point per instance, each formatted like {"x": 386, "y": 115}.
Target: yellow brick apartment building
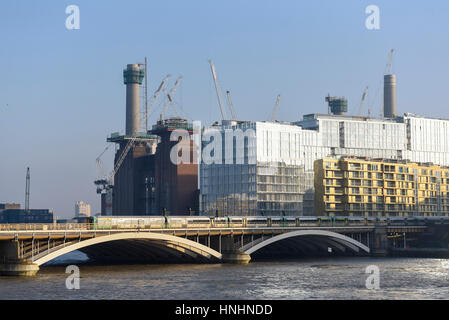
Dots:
{"x": 350, "y": 186}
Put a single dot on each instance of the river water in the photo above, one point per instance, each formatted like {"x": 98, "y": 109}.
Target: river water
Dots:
{"x": 319, "y": 278}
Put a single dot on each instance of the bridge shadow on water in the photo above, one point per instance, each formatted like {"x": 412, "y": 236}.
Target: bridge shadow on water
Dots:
{"x": 81, "y": 259}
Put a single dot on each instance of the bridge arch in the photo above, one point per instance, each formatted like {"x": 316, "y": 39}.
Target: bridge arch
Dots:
{"x": 332, "y": 239}
{"x": 156, "y": 242}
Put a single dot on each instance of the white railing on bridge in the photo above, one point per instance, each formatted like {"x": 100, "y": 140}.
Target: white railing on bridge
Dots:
{"x": 242, "y": 222}
{"x": 45, "y": 227}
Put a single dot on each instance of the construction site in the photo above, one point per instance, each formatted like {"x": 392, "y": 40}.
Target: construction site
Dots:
{"x": 280, "y": 180}
{"x": 144, "y": 181}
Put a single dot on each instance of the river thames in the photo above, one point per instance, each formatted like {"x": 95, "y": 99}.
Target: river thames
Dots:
{"x": 319, "y": 278}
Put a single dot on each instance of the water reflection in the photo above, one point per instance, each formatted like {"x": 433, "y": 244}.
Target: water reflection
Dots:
{"x": 340, "y": 278}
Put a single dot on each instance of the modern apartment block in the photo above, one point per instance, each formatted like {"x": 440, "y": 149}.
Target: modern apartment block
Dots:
{"x": 349, "y": 186}
{"x": 279, "y": 179}
{"x": 260, "y": 173}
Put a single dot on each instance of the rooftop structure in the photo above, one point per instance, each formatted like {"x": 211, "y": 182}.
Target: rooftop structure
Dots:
{"x": 7, "y": 206}
{"x": 337, "y": 106}
{"x": 171, "y": 124}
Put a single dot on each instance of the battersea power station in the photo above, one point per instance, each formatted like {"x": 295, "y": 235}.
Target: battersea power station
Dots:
{"x": 323, "y": 164}
{"x": 144, "y": 180}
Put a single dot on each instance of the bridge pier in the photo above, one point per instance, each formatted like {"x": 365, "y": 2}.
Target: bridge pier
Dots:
{"x": 21, "y": 268}
{"x": 236, "y": 257}
{"x": 230, "y": 253}
{"x": 380, "y": 242}
{"x": 10, "y": 262}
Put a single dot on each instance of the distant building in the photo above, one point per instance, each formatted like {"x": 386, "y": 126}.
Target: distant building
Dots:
{"x": 11, "y": 213}
{"x": 7, "y": 206}
{"x": 349, "y": 186}
{"x": 82, "y": 209}
{"x": 66, "y": 221}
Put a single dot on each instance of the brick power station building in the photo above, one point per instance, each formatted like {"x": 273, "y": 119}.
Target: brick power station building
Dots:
{"x": 147, "y": 182}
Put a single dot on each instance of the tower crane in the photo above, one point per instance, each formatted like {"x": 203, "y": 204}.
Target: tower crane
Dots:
{"x": 27, "y": 191}
{"x": 169, "y": 96}
{"x": 144, "y": 123}
{"x": 217, "y": 89}
{"x": 231, "y": 105}
{"x": 102, "y": 181}
{"x": 122, "y": 157}
{"x": 362, "y": 102}
{"x": 276, "y": 107}
{"x": 107, "y": 181}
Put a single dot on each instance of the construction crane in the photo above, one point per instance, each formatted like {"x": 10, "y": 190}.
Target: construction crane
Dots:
{"x": 276, "y": 107}
{"x": 145, "y": 95}
{"x": 121, "y": 158}
{"x": 101, "y": 182}
{"x": 217, "y": 89}
{"x": 158, "y": 91}
{"x": 362, "y": 102}
{"x": 27, "y": 191}
{"x": 389, "y": 62}
{"x": 169, "y": 96}
{"x": 231, "y": 105}
{"x": 106, "y": 182}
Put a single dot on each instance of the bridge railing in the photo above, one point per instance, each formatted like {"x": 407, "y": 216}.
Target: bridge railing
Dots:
{"x": 46, "y": 227}
{"x": 318, "y": 222}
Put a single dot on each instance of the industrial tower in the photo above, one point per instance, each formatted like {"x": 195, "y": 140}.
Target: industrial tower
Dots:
{"x": 390, "y": 90}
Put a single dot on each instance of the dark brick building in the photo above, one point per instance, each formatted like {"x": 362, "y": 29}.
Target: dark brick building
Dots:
{"x": 148, "y": 183}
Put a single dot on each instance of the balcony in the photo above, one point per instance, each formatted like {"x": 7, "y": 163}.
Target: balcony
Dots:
{"x": 354, "y": 183}
{"x": 354, "y": 166}
{"x": 334, "y": 174}
{"x": 390, "y": 184}
{"x": 331, "y": 199}
{"x": 334, "y": 191}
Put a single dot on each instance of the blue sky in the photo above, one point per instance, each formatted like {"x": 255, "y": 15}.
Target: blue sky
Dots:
{"x": 62, "y": 92}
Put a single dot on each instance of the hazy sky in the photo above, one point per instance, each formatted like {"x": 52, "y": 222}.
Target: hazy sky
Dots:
{"x": 62, "y": 92}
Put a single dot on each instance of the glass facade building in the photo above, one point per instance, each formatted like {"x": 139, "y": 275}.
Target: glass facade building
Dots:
{"x": 268, "y": 169}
